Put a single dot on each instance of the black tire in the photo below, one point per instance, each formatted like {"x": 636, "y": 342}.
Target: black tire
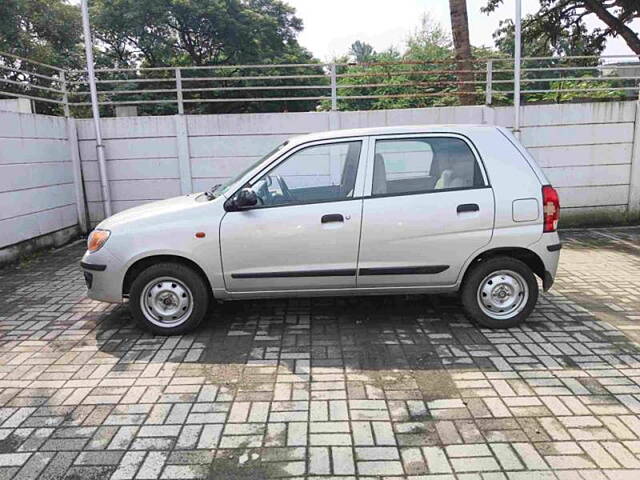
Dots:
{"x": 479, "y": 272}
{"x": 188, "y": 282}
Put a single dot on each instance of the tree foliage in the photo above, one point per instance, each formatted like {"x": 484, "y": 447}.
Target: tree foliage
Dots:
{"x": 418, "y": 77}
{"x": 201, "y": 33}
{"x": 537, "y": 43}
{"x": 159, "y": 33}
{"x": 564, "y": 78}
{"x": 48, "y": 31}
{"x": 197, "y": 32}
{"x": 362, "y": 52}
{"x": 557, "y": 19}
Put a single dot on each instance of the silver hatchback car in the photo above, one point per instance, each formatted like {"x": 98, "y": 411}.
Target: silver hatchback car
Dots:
{"x": 420, "y": 209}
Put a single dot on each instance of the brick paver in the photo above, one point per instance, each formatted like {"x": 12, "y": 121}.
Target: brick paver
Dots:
{"x": 388, "y": 387}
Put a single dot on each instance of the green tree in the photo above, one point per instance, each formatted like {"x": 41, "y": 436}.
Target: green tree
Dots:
{"x": 209, "y": 33}
{"x": 362, "y": 52}
{"x": 196, "y": 32}
{"x": 562, "y": 76}
{"x": 429, "y": 42}
{"x": 557, "y": 17}
{"x": 46, "y": 31}
{"x": 158, "y": 33}
{"x": 538, "y": 42}
{"x": 420, "y": 77}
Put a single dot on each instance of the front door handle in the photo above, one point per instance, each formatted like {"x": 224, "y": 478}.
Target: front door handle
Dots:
{"x": 332, "y": 217}
{"x": 468, "y": 207}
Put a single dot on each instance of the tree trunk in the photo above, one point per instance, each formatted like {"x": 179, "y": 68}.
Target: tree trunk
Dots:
{"x": 460, "y": 30}
{"x": 615, "y": 24}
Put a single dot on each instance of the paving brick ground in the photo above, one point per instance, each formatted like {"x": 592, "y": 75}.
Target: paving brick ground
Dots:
{"x": 387, "y": 387}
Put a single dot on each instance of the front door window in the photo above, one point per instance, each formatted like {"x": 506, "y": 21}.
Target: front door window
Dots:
{"x": 321, "y": 173}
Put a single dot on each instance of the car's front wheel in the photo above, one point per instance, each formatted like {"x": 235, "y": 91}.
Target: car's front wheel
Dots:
{"x": 169, "y": 298}
{"x": 499, "y": 292}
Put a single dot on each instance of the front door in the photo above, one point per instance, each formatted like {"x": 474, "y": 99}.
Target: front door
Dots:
{"x": 429, "y": 207}
{"x": 304, "y": 233}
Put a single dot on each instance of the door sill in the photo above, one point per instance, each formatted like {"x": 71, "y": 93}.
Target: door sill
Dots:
{"x": 341, "y": 292}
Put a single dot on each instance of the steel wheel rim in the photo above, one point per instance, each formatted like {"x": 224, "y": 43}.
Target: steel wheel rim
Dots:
{"x": 166, "y": 302}
{"x": 503, "y": 294}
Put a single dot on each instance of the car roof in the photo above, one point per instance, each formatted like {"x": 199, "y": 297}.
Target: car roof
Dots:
{"x": 465, "y": 129}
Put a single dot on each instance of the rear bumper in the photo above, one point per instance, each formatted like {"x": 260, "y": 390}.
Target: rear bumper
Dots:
{"x": 547, "y": 281}
{"x": 548, "y": 249}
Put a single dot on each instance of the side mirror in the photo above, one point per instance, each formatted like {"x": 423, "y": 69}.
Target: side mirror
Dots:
{"x": 245, "y": 198}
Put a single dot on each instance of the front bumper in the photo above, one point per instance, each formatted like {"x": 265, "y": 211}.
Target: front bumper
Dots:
{"x": 102, "y": 277}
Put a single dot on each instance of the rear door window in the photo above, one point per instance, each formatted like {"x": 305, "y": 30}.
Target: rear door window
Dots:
{"x": 422, "y": 165}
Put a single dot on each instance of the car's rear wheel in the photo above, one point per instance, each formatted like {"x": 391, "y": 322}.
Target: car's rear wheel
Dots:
{"x": 169, "y": 298}
{"x": 499, "y": 292}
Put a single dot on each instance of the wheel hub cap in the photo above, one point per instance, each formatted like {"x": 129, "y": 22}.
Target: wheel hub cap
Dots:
{"x": 503, "y": 294}
{"x": 166, "y": 301}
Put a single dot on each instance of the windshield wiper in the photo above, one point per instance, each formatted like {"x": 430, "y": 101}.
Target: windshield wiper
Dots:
{"x": 211, "y": 192}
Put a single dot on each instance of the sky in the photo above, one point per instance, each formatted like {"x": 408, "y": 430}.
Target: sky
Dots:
{"x": 331, "y": 26}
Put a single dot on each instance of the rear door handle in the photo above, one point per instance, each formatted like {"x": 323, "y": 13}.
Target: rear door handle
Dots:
{"x": 332, "y": 217}
{"x": 468, "y": 207}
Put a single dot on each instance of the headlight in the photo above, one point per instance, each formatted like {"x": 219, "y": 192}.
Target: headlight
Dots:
{"x": 97, "y": 239}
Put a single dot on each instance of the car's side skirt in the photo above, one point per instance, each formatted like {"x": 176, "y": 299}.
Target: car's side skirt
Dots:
{"x": 341, "y": 292}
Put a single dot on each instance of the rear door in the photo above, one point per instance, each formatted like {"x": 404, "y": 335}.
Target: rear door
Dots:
{"x": 428, "y": 207}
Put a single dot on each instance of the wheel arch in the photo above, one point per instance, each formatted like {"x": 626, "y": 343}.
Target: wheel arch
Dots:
{"x": 142, "y": 263}
{"x": 528, "y": 257}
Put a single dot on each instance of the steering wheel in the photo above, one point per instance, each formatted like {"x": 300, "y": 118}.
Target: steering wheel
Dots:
{"x": 267, "y": 197}
{"x": 286, "y": 193}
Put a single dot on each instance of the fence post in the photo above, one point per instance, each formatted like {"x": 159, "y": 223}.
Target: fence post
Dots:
{"x": 334, "y": 88}
{"x": 633, "y": 208}
{"x": 78, "y": 182}
{"x": 517, "y": 69}
{"x": 179, "y": 91}
{"x": 65, "y": 94}
{"x": 489, "y": 91}
{"x": 184, "y": 157}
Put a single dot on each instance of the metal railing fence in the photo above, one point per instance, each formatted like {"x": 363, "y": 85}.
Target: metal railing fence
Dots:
{"x": 35, "y": 81}
{"x": 322, "y": 86}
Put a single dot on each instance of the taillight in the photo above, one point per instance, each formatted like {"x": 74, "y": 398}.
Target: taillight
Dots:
{"x": 550, "y": 208}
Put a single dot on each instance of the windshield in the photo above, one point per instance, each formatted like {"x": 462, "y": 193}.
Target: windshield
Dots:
{"x": 223, "y": 187}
